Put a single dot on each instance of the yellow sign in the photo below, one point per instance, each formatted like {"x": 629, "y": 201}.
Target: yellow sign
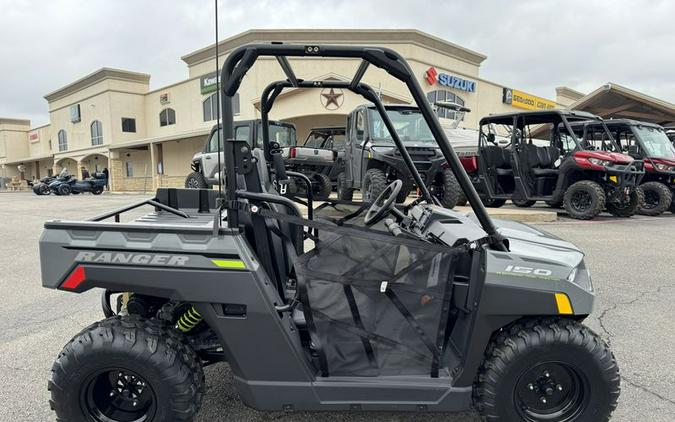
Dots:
{"x": 521, "y": 99}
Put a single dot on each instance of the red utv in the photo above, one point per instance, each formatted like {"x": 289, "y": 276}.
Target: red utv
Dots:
{"x": 648, "y": 142}
{"x": 544, "y": 160}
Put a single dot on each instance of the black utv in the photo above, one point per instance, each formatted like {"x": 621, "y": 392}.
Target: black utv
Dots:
{"x": 647, "y": 142}
{"x": 409, "y": 309}
{"x": 372, "y": 160}
{"x": 546, "y": 160}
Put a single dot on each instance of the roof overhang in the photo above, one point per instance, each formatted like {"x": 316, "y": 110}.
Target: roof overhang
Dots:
{"x": 10, "y": 121}
{"x": 618, "y": 102}
{"x": 30, "y": 159}
{"x": 95, "y": 77}
{"x": 160, "y": 139}
{"x": 336, "y": 36}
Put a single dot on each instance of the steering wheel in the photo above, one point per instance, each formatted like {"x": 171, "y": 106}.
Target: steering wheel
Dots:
{"x": 383, "y": 204}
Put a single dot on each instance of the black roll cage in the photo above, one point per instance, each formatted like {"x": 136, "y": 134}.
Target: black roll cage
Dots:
{"x": 240, "y": 60}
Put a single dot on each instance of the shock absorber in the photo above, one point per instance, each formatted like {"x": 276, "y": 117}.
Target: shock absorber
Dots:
{"x": 189, "y": 320}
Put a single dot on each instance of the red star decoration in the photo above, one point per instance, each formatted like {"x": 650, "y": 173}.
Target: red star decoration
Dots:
{"x": 332, "y": 98}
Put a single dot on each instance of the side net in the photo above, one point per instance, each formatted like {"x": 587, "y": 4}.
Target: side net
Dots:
{"x": 376, "y": 305}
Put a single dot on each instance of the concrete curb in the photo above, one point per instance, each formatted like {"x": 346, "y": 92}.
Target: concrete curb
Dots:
{"x": 520, "y": 215}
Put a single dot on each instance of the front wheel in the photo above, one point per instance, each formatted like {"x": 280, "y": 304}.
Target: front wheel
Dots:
{"x": 547, "y": 369}
{"x": 658, "y": 198}
{"x": 126, "y": 369}
{"x": 450, "y": 191}
{"x": 196, "y": 180}
{"x": 628, "y": 208}
{"x": 97, "y": 191}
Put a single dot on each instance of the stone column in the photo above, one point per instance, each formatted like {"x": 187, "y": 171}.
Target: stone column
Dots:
{"x": 116, "y": 170}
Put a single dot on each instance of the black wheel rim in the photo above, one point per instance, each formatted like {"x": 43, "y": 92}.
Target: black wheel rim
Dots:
{"x": 192, "y": 183}
{"x": 551, "y": 391}
{"x": 118, "y": 395}
{"x": 581, "y": 201}
{"x": 652, "y": 199}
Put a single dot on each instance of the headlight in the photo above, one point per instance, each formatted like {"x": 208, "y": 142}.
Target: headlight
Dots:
{"x": 599, "y": 162}
{"x": 581, "y": 276}
{"x": 664, "y": 167}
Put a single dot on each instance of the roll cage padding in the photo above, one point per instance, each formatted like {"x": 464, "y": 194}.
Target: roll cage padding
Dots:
{"x": 240, "y": 60}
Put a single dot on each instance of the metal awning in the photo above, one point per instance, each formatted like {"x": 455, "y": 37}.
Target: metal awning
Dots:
{"x": 618, "y": 102}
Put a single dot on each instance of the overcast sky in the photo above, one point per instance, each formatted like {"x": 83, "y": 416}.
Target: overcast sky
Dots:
{"x": 532, "y": 45}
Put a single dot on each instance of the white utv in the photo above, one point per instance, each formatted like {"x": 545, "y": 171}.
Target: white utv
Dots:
{"x": 205, "y": 163}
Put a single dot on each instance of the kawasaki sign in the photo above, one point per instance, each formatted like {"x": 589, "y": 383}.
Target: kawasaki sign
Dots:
{"x": 209, "y": 83}
{"x": 433, "y": 77}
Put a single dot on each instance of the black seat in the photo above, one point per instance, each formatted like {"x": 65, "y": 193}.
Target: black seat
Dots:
{"x": 541, "y": 160}
{"x": 498, "y": 160}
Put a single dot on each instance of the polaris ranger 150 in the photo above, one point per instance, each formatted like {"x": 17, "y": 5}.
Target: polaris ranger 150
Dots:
{"x": 417, "y": 309}
{"x": 205, "y": 163}
{"x": 546, "y": 161}
{"x": 372, "y": 160}
{"x": 648, "y": 142}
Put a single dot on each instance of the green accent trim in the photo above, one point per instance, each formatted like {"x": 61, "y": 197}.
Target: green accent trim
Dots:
{"x": 230, "y": 264}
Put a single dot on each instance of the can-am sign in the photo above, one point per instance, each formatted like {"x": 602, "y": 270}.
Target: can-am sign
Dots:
{"x": 433, "y": 77}
{"x": 209, "y": 83}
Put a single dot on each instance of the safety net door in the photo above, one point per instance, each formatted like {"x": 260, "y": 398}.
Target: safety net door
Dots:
{"x": 376, "y": 304}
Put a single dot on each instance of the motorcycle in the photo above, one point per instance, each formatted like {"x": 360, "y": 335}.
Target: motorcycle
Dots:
{"x": 66, "y": 186}
{"x": 42, "y": 187}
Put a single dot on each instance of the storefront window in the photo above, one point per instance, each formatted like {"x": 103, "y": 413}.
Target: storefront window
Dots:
{"x": 448, "y": 97}
{"x": 96, "y": 133}
{"x": 63, "y": 140}
{"x": 210, "y": 106}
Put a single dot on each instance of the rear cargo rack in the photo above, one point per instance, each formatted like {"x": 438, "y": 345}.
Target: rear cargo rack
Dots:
{"x": 153, "y": 202}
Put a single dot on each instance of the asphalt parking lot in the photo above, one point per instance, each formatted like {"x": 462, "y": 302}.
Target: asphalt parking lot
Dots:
{"x": 631, "y": 262}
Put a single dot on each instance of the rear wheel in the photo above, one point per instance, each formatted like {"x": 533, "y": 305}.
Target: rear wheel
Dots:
{"x": 196, "y": 180}
{"x": 374, "y": 183}
{"x": 658, "y": 198}
{"x": 322, "y": 186}
{"x": 547, "y": 370}
{"x": 554, "y": 204}
{"x": 126, "y": 369}
{"x": 64, "y": 190}
{"x": 584, "y": 200}
{"x": 344, "y": 193}
{"x": 636, "y": 199}
{"x": 97, "y": 191}
{"x": 523, "y": 203}
{"x": 450, "y": 191}
{"x": 492, "y": 202}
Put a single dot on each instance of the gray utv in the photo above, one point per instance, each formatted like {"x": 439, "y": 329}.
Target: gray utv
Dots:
{"x": 372, "y": 160}
{"x": 348, "y": 307}
{"x": 205, "y": 163}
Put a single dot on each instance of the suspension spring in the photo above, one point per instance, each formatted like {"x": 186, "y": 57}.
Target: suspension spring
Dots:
{"x": 189, "y": 320}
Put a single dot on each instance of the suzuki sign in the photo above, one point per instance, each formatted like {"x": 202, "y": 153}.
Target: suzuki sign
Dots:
{"x": 433, "y": 77}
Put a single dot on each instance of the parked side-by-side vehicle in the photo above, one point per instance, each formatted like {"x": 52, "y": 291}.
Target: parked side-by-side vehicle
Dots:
{"x": 372, "y": 160}
{"x": 414, "y": 308}
{"x": 546, "y": 160}
{"x": 647, "y": 142}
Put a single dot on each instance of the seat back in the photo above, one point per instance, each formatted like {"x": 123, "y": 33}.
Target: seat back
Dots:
{"x": 496, "y": 157}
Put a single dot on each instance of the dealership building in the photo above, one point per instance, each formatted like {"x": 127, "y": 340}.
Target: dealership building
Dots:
{"x": 146, "y": 138}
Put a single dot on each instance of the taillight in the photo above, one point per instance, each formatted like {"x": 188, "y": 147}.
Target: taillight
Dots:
{"x": 292, "y": 153}
{"x": 75, "y": 278}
